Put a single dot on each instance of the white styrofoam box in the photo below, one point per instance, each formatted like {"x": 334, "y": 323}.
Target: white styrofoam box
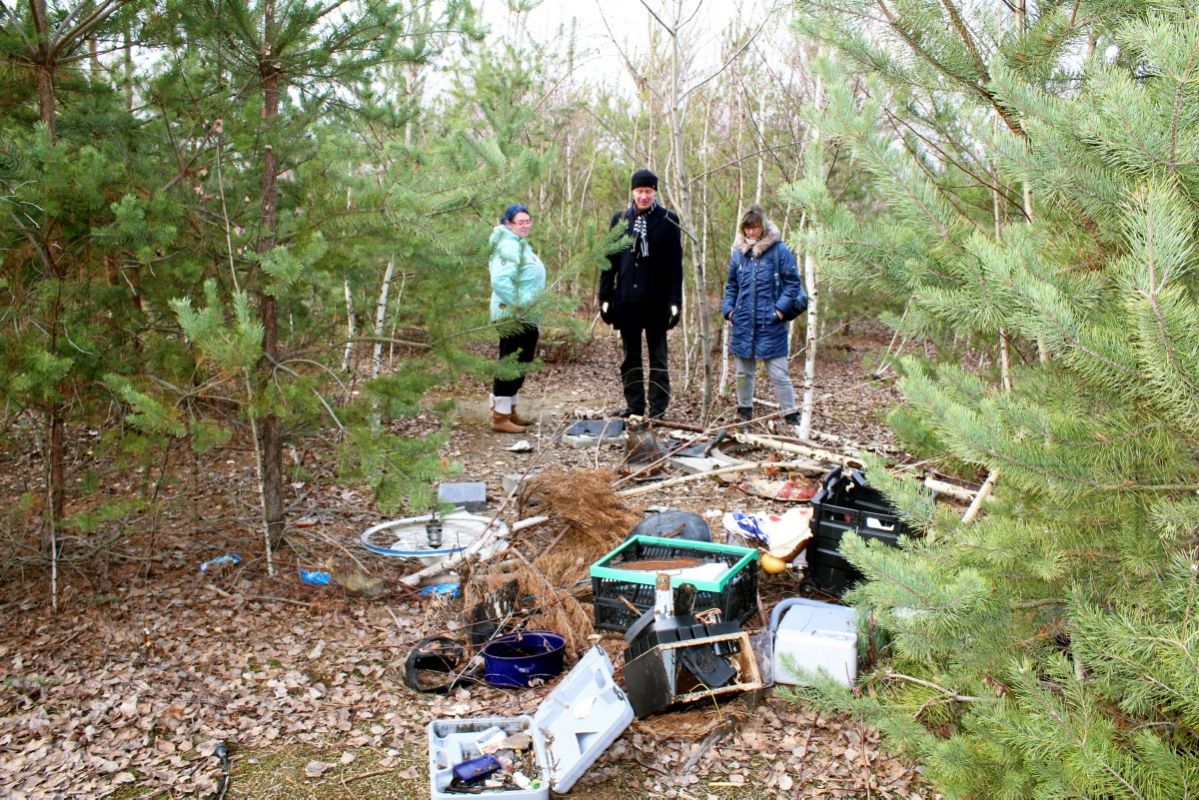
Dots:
{"x": 572, "y": 727}
{"x": 817, "y": 636}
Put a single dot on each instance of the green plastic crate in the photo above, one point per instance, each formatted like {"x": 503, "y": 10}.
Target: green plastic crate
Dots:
{"x": 736, "y": 594}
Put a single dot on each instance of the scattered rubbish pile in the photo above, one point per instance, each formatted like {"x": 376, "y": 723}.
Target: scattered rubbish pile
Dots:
{"x": 686, "y": 609}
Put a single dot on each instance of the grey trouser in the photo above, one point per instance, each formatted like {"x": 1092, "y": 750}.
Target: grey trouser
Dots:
{"x": 776, "y": 368}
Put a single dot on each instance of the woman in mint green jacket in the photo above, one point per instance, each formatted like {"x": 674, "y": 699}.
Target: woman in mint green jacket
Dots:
{"x": 517, "y": 280}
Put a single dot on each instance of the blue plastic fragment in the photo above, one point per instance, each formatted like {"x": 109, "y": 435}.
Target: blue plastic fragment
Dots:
{"x": 750, "y": 527}
{"x": 450, "y": 589}
{"x": 316, "y": 577}
{"x": 230, "y": 558}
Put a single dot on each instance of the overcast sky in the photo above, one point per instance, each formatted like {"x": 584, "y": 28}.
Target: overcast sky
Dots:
{"x": 628, "y": 27}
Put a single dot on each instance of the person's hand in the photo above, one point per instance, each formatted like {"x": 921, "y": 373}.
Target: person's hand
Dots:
{"x": 605, "y": 315}
{"x": 778, "y": 313}
{"x": 674, "y": 317}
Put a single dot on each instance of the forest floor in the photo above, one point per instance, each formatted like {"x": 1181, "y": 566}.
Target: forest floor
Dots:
{"x": 150, "y": 663}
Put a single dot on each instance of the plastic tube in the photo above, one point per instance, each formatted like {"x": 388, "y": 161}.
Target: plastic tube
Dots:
{"x": 777, "y": 613}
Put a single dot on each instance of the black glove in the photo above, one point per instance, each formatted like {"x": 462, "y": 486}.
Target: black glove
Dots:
{"x": 606, "y": 313}
{"x": 674, "y": 317}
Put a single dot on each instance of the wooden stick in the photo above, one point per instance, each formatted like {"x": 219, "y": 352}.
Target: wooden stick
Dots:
{"x": 963, "y": 493}
{"x": 718, "y": 733}
{"x": 977, "y": 504}
{"x": 807, "y": 467}
{"x": 815, "y": 453}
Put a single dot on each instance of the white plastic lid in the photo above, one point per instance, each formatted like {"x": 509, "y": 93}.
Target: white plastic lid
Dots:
{"x": 811, "y": 616}
{"x": 581, "y": 718}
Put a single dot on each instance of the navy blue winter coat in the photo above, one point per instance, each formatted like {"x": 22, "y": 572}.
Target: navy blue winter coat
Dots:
{"x": 763, "y": 278}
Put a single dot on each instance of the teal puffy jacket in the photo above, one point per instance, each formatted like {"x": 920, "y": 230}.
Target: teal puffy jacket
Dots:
{"x": 517, "y": 277}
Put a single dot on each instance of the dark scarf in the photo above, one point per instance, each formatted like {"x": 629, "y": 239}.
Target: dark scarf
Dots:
{"x": 640, "y": 232}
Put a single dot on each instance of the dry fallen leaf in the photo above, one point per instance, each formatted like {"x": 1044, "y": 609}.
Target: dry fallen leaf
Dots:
{"x": 315, "y": 769}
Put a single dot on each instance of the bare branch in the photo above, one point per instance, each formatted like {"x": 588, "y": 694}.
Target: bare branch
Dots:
{"x": 638, "y": 78}
{"x": 659, "y": 20}
{"x": 730, "y": 60}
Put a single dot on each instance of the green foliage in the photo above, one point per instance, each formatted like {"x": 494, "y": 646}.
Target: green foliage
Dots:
{"x": 147, "y": 414}
{"x": 207, "y": 435}
{"x": 400, "y": 471}
{"x": 234, "y": 344}
{"x": 1046, "y": 650}
{"x": 105, "y": 514}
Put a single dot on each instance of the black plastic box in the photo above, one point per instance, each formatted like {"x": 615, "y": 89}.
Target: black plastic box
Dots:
{"x": 846, "y": 502}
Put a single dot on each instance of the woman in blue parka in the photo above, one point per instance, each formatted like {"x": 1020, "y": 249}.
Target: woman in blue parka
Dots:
{"x": 763, "y": 294}
{"x": 517, "y": 280}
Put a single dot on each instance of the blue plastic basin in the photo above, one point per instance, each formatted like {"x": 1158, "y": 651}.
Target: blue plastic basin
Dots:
{"x": 520, "y": 658}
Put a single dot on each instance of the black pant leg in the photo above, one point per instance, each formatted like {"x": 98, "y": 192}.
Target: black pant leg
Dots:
{"x": 659, "y": 371}
{"x": 632, "y": 376}
{"x": 524, "y": 344}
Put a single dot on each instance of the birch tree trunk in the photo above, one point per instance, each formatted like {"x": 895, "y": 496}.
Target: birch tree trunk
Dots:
{"x": 725, "y": 333}
{"x": 350, "y": 329}
{"x": 381, "y": 317}
{"x": 813, "y": 319}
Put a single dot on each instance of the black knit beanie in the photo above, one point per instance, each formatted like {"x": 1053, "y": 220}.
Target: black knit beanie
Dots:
{"x": 643, "y": 177}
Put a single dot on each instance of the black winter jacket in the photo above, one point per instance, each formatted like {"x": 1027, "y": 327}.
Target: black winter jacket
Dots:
{"x": 640, "y": 290}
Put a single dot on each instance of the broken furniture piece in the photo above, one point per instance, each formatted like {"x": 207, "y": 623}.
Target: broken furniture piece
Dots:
{"x": 623, "y": 581}
{"x": 691, "y": 669}
{"x": 571, "y": 728}
{"x": 677, "y": 657}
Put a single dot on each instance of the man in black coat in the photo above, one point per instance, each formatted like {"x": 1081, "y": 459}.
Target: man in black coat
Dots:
{"x": 643, "y": 291}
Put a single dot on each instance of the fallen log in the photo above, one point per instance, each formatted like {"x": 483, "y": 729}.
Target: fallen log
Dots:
{"x": 813, "y": 453}
{"x": 806, "y": 467}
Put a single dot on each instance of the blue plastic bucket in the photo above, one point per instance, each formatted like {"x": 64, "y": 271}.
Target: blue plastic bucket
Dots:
{"x": 514, "y": 661}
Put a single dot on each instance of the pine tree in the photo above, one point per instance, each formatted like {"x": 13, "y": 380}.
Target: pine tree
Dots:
{"x": 69, "y": 300}
{"x": 1047, "y": 650}
{"x": 265, "y": 89}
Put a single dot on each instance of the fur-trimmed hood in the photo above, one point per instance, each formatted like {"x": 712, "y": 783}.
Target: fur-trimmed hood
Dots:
{"x": 770, "y": 237}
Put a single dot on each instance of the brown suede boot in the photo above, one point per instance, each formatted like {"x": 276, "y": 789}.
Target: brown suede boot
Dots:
{"x": 521, "y": 420}
{"x": 502, "y": 423}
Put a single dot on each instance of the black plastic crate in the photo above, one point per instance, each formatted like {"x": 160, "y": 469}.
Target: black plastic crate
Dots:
{"x": 736, "y": 594}
{"x": 846, "y": 502}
